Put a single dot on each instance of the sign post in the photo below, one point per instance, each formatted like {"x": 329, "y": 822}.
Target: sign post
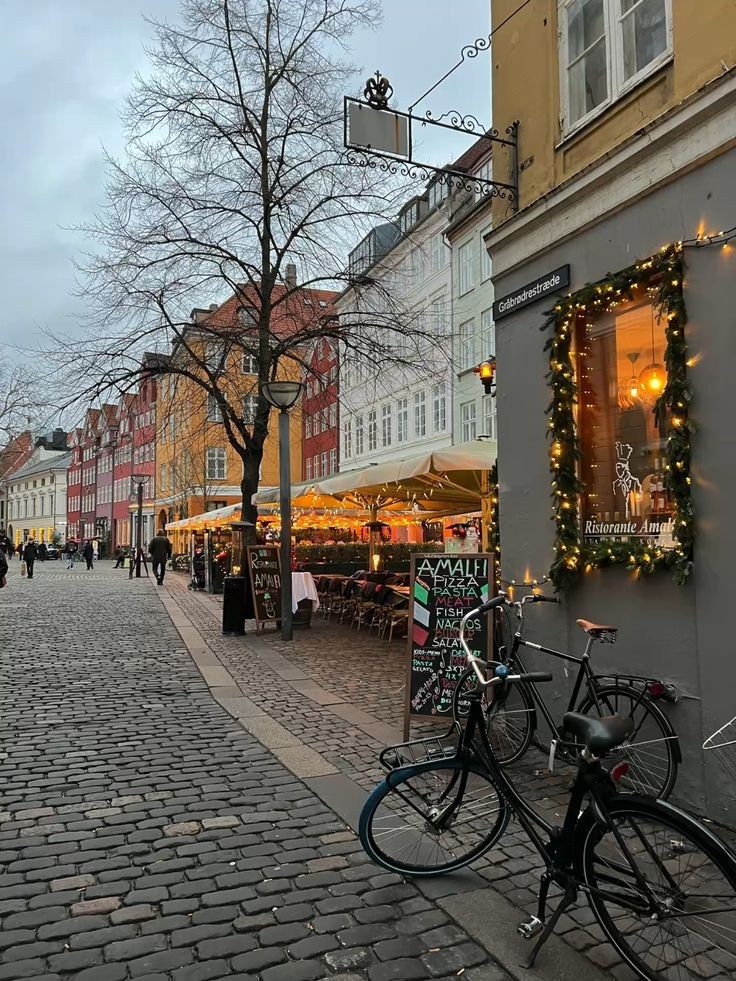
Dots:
{"x": 443, "y": 589}
{"x": 264, "y": 573}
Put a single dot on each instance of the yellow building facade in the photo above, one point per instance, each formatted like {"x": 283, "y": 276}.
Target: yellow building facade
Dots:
{"x": 198, "y": 469}
{"x": 584, "y": 77}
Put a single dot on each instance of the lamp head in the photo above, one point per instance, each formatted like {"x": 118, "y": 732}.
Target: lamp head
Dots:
{"x": 282, "y": 394}
{"x": 487, "y": 372}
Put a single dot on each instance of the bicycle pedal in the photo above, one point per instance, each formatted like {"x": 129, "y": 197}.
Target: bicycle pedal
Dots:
{"x": 530, "y": 928}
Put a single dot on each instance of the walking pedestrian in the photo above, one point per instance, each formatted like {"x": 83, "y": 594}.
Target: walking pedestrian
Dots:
{"x": 42, "y": 552}
{"x": 71, "y": 550}
{"x": 9, "y": 549}
{"x": 19, "y": 549}
{"x": 3, "y": 569}
{"x": 30, "y": 554}
{"x": 159, "y": 548}
{"x": 88, "y": 554}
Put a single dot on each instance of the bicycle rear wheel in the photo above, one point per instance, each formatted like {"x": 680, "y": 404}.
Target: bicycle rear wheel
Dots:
{"x": 509, "y": 713}
{"x": 652, "y": 751}
{"x": 665, "y": 893}
{"x": 400, "y": 827}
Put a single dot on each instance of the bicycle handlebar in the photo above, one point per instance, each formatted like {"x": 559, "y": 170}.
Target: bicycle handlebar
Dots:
{"x": 532, "y": 677}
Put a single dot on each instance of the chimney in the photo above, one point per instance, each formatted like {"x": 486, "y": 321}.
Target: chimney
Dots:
{"x": 290, "y": 277}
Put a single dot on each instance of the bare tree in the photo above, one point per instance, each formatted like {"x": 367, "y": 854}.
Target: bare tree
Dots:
{"x": 235, "y": 170}
{"x": 21, "y": 402}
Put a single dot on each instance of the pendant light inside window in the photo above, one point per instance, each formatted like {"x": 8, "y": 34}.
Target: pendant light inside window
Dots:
{"x": 653, "y": 378}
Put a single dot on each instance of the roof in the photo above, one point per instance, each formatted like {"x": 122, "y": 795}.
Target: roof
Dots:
{"x": 473, "y": 155}
{"x": 60, "y": 462}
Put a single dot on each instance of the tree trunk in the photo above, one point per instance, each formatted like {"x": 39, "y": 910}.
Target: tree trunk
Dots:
{"x": 248, "y": 487}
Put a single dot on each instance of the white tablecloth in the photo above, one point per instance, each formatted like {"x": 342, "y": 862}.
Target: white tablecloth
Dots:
{"x": 303, "y": 587}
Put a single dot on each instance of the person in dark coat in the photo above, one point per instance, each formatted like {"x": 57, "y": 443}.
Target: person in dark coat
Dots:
{"x": 70, "y": 550}
{"x": 119, "y": 558}
{"x": 20, "y": 548}
{"x": 159, "y": 548}
{"x": 88, "y": 554}
{"x": 3, "y": 568}
{"x": 30, "y": 554}
{"x": 42, "y": 552}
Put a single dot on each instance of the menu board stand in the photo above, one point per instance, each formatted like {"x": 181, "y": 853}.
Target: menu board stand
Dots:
{"x": 264, "y": 574}
{"x": 444, "y": 588}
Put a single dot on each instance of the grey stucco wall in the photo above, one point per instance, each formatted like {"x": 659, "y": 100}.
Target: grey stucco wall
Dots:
{"x": 681, "y": 633}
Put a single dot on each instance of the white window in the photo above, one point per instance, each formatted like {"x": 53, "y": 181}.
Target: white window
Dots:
{"x": 348, "y": 439}
{"x": 324, "y": 464}
{"x": 420, "y": 414}
{"x": 402, "y": 420}
{"x": 249, "y": 364}
{"x": 439, "y": 407}
{"x": 333, "y": 460}
{"x": 437, "y": 193}
{"x": 308, "y": 426}
{"x": 315, "y": 461}
{"x": 214, "y": 412}
{"x": 468, "y": 356}
{"x": 484, "y": 172}
{"x": 359, "y": 436}
{"x": 487, "y": 335}
{"x": 215, "y": 355}
{"x": 438, "y": 316}
{"x": 489, "y": 416}
{"x": 372, "y": 430}
{"x": 485, "y": 259}
{"x": 309, "y": 468}
{"x": 606, "y": 47}
{"x": 386, "y": 424}
{"x": 439, "y": 252}
{"x": 163, "y": 479}
{"x": 333, "y": 415}
{"x": 467, "y": 418}
{"x": 250, "y": 404}
{"x": 465, "y": 271}
{"x": 216, "y": 463}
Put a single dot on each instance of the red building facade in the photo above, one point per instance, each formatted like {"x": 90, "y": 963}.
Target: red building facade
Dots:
{"x": 144, "y": 446}
{"x": 321, "y": 413}
{"x": 107, "y": 432}
{"x": 122, "y": 472}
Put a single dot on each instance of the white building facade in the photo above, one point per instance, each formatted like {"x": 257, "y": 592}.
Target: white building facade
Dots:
{"x": 393, "y": 408}
{"x": 435, "y": 268}
{"x": 36, "y": 496}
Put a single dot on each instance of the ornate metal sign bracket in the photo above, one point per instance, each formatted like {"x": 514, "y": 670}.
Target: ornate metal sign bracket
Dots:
{"x": 379, "y": 137}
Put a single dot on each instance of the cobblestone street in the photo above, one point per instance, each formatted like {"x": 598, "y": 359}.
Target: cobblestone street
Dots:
{"x": 146, "y": 835}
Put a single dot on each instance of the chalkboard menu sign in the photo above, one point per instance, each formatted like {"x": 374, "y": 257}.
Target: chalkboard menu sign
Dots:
{"x": 443, "y": 588}
{"x": 264, "y": 572}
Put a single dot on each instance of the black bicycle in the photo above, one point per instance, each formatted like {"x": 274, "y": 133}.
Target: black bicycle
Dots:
{"x": 652, "y": 749}
{"x": 660, "y": 884}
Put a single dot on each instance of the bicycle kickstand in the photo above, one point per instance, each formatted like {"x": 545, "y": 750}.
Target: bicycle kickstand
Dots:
{"x": 533, "y": 926}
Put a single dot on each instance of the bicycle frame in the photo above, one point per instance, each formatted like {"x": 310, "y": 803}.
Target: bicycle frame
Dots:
{"x": 585, "y": 675}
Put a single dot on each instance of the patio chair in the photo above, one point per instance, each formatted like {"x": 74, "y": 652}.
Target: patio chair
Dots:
{"x": 396, "y": 614}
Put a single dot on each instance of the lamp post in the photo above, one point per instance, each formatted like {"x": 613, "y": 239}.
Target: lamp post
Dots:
{"x": 139, "y": 480}
{"x": 283, "y": 395}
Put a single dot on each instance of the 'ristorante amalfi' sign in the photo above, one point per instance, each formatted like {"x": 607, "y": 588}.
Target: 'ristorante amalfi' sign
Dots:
{"x": 543, "y": 286}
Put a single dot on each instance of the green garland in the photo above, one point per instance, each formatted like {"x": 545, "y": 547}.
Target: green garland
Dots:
{"x": 663, "y": 273}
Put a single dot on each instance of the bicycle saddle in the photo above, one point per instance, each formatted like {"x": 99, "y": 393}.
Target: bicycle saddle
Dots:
{"x": 599, "y": 735}
{"x": 604, "y": 633}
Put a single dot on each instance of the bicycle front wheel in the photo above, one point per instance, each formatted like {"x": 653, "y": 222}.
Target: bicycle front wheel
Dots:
{"x": 652, "y": 750}
{"x": 663, "y": 889}
{"x": 432, "y": 818}
{"x": 509, "y": 712}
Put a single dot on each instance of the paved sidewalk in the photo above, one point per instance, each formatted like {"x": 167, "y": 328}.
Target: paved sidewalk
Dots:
{"x": 145, "y": 833}
{"x": 340, "y": 694}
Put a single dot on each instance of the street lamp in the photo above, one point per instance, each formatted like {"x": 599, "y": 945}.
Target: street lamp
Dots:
{"x": 283, "y": 395}
{"x": 139, "y": 480}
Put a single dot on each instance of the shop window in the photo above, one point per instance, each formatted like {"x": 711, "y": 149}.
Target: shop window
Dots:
{"x": 606, "y": 47}
{"x": 621, "y": 374}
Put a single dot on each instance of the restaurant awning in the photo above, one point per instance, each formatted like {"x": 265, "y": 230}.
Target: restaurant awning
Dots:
{"x": 445, "y": 481}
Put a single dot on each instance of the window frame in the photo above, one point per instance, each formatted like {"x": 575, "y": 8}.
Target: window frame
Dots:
{"x": 439, "y": 407}
{"x": 618, "y": 87}
{"x": 419, "y": 402}
{"x": 462, "y": 266}
{"x": 218, "y": 459}
{"x": 471, "y": 403}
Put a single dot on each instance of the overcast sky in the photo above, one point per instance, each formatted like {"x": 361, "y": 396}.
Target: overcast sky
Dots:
{"x": 65, "y": 68}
